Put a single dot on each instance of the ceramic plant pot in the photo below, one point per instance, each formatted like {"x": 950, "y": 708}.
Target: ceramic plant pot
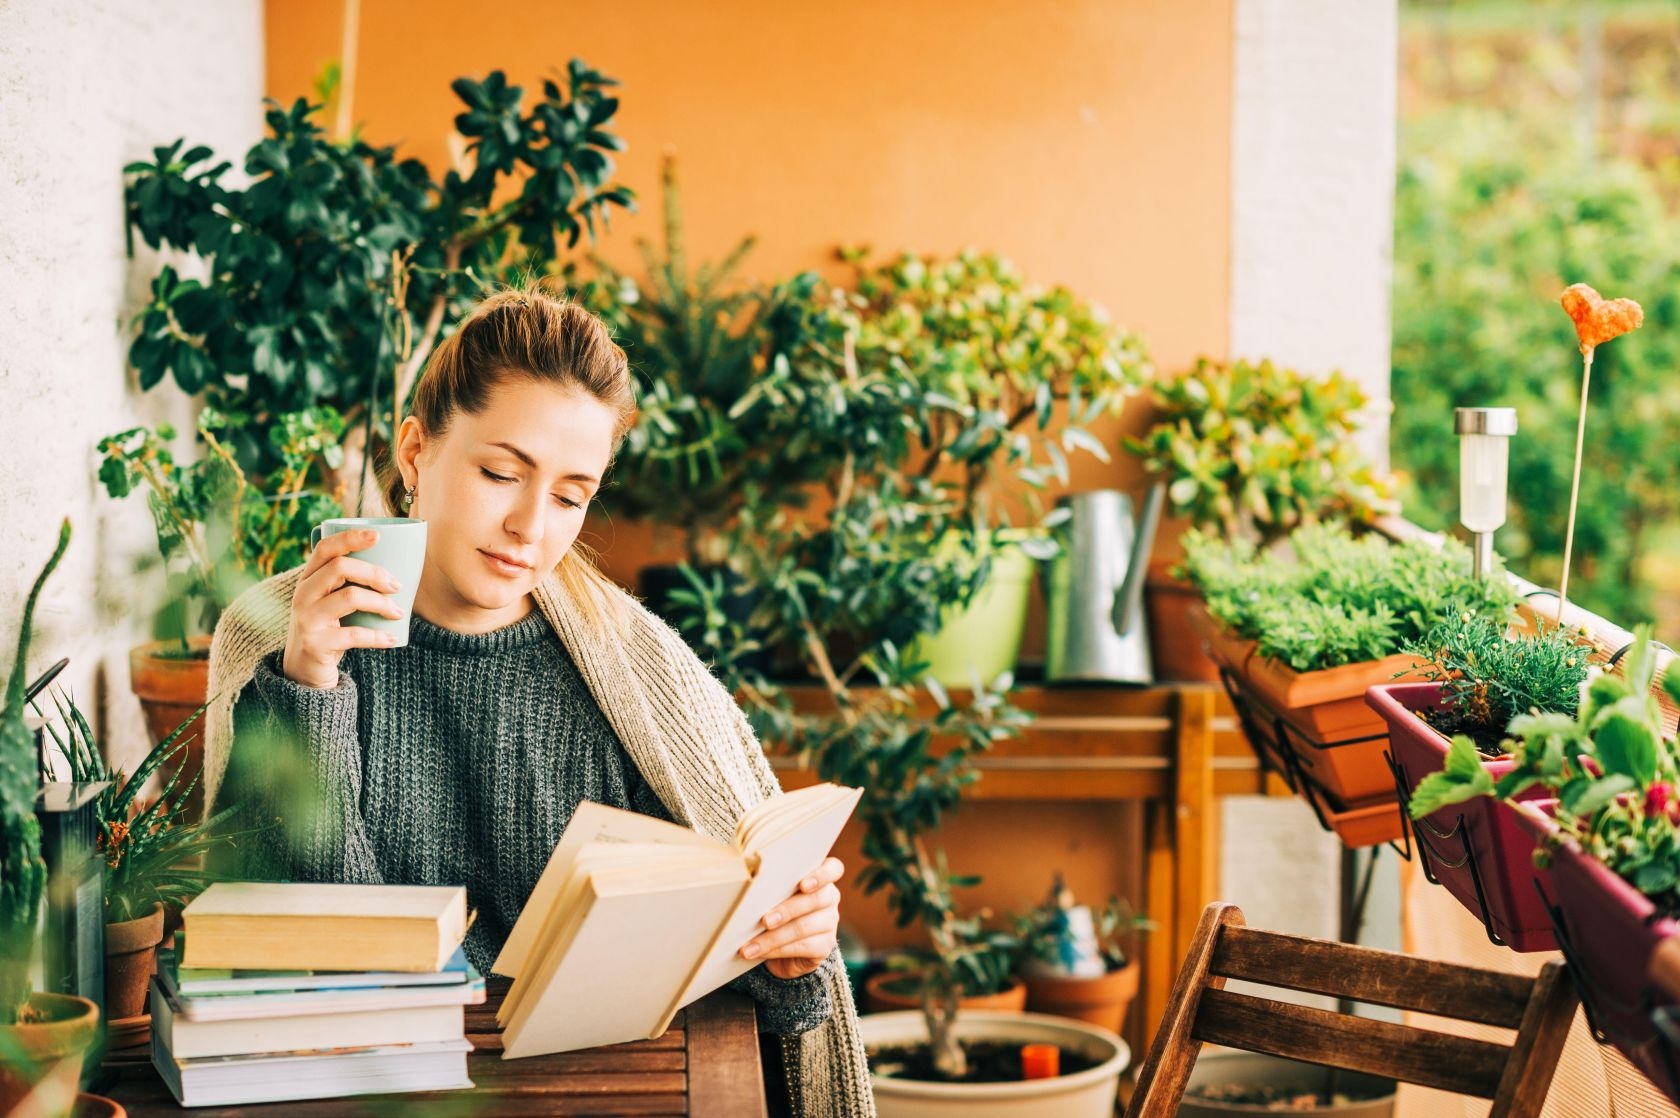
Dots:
{"x": 1097, "y": 1001}
{"x": 1252, "y": 1069}
{"x": 888, "y": 991}
{"x": 1088, "y": 1093}
{"x": 130, "y": 958}
{"x": 1477, "y": 849}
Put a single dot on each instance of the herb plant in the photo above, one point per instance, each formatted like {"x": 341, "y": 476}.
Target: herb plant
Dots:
{"x": 1615, "y": 773}
{"x": 1339, "y": 599}
{"x": 1488, "y": 676}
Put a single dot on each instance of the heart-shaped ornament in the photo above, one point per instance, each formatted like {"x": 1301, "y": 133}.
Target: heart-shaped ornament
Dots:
{"x": 1598, "y": 319}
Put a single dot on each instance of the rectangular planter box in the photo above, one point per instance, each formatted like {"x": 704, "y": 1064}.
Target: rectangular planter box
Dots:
{"x": 1477, "y": 849}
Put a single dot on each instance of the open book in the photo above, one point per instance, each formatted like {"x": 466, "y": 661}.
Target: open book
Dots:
{"x": 634, "y": 918}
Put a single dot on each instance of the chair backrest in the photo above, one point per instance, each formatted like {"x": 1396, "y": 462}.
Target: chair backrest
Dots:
{"x": 1515, "y": 1076}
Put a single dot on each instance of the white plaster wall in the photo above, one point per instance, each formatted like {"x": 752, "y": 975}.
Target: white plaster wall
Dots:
{"x": 1312, "y": 205}
{"x": 85, "y": 87}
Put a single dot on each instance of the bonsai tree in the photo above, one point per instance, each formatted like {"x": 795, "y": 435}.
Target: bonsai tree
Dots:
{"x": 23, "y": 874}
{"x": 331, "y": 276}
{"x": 1252, "y": 451}
{"x": 698, "y": 340}
{"x": 923, "y": 386}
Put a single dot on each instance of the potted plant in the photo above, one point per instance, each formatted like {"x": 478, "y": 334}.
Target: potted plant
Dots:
{"x": 153, "y": 851}
{"x": 1075, "y": 961}
{"x": 1610, "y": 841}
{"x": 38, "y": 1032}
{"x": 896, "y": 541}
{"x": 1483, "y": 676}
{"x": 1327, "y": 624}
{"x": 1249, "y": 451}
{"x": 332, "y": 274}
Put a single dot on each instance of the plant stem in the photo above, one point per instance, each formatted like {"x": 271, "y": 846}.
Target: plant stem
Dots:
{"x": 1575, "y": 481}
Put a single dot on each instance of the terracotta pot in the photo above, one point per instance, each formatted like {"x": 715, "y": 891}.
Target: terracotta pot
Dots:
{"x": 879, "y": 999}
{"x": 53, "y": 1042}
{"x": 130, "y": 958}
{"x": 1326, "y": 707}
{"x": 1174, "y": 646}
{"x": 97, "y": 1106}
{"x": 1097, "y": 1001}
{"x": 1223, "y": 647}
{"x": 170, "y": 688}
{"x": 1477, "y": 849}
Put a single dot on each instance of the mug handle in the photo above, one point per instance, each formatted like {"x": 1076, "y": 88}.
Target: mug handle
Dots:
{"x": 314, "y": 537}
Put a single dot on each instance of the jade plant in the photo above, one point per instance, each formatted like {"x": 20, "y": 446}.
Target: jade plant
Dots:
{"x": 922, "y": 387}
{"x": 1254, "y": 450}
{"x": 1338, "y": 598}
{"x": 23, "y": 873}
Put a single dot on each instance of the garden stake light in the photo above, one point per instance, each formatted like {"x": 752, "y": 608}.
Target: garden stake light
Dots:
{"x": 1484, "y": 449}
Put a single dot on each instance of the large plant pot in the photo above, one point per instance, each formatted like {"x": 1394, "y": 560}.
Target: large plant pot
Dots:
{"x": 1084, "y": 1094}
{"x": 983, "y": 640}
{"x": 1096, "y": 1001}
{"x": 170, "y": 688}
{"x": 1252, "y": 1069}
{"x": 1609, "y": 932}
{"x": 1477, "y": 849}
{"x": 52, "y": 1046}
{"x": 1174, "y": 644}
{"x": 880, "y": 996}
{"x": 130, "y": 958}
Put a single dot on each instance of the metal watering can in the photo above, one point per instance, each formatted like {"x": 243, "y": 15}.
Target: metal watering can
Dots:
{"x": 1095, "y": 629}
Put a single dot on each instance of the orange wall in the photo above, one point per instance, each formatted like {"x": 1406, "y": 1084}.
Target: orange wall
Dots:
{"x": 1087, "y": 140}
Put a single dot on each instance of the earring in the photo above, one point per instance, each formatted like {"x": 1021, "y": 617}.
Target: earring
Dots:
{"x": 408, "y": 497}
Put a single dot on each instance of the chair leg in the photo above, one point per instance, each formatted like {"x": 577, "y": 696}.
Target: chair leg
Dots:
{"x": 1161, "y": 1080}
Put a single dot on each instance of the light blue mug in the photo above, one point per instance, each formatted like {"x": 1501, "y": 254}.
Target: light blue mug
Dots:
{"x": 400, "y": 549}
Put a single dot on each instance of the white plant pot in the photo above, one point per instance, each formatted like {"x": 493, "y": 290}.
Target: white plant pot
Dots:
{"x": 1085, "y": 1094}
{"x": 1219, "y": 1066}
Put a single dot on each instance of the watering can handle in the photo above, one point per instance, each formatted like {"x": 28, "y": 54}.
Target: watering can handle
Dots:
{"x": 1128, "y": 598}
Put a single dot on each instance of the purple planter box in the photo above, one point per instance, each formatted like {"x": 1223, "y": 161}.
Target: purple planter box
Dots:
{"x": 1612, "y": 930}
{"x": 1478, "y": 841}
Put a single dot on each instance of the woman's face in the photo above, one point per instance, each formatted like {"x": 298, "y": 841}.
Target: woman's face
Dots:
{"x": 503, "y": 494}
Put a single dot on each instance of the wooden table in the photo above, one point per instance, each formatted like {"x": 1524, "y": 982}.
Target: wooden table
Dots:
{"x": 705, "y": 1066}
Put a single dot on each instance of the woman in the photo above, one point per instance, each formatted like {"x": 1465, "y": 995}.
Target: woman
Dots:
{"x": 530, "y": 682}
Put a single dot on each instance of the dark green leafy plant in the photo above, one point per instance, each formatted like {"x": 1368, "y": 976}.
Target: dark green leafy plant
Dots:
{"x": 23, "y": 874}
{"x": 1340, "y": 599}
{"x": 1254, "y": 450}
{"x": 1489, "y": 676}
{"x": 918, "y": 390}
{"x": 698, "y": 340}
{"x": 1615, "y": 774}
{"x": 153, "y": 853}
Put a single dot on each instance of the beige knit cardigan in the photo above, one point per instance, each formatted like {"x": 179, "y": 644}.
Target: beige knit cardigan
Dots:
{"x": 683, "y": 729}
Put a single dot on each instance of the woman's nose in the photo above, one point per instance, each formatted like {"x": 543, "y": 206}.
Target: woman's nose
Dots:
{"x": 525, "y": 520}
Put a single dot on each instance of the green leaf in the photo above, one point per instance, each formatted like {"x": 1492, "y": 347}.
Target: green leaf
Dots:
{"x": 1626, "y": 744}
{"x": 1463, "y": 777}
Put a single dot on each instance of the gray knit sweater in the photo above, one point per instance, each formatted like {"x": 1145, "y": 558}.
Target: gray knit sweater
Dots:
{"x": 456, "y": 760}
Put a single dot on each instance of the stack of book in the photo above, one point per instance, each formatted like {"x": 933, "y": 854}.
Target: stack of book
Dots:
{"x": 281, "y": 992}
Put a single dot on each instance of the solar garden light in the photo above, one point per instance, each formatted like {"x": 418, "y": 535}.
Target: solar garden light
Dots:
{"x": 1484, "y": 447}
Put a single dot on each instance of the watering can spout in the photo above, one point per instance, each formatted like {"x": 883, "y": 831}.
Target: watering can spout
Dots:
{"x": 1129, "y": 599}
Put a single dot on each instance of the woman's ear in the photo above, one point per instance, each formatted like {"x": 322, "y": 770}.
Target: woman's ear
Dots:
{"x": 411, "y": 441}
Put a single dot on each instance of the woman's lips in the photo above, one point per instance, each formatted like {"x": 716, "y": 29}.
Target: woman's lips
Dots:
{"x": 503, "y": 566}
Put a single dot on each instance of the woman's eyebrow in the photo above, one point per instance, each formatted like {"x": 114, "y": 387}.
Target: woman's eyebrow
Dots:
{"x": 532, "y": 462}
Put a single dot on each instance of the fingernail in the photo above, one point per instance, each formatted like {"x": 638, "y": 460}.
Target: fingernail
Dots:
{"x": 750, "y": 951}
{"x": 772, "y": 919}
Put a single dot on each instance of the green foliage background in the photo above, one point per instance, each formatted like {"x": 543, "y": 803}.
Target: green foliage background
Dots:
{"x": 1505, "y": 195}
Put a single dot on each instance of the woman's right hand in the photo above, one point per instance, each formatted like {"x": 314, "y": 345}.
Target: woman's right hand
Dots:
{"x": 333, "y": 585}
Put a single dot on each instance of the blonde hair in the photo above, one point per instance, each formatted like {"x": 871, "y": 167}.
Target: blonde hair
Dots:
{"x": 526, "y": 332}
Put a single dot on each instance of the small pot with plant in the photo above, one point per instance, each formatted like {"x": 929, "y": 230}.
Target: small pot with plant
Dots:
{"x": 39, "y": 1033}
{"x": 1248, "y": 451}
{"x": 1075, "y": 961}
{"x": 1483, "y": 678}
{"x": 1327, "y": 624}
{"x": 153, "y": 853}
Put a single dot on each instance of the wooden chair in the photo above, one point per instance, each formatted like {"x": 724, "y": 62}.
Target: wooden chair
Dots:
{"x": 1514, "y": 1076}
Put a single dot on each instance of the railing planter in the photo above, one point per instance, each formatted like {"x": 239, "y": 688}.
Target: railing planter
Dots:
{"x": 1477, "y": 849}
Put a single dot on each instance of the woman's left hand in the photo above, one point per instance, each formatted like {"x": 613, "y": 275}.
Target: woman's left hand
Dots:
{"x": 800, "y": 932}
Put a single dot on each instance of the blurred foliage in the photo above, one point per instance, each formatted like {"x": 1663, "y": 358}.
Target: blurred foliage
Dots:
{"x": 1518, "y": 176}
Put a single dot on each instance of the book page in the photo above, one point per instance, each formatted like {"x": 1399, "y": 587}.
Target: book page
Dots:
{"x": 591, "y": 822}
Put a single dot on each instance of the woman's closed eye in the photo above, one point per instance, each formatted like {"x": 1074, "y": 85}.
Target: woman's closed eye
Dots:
{"x": 493, "y": 476}
{"x": 503, "y": 478}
